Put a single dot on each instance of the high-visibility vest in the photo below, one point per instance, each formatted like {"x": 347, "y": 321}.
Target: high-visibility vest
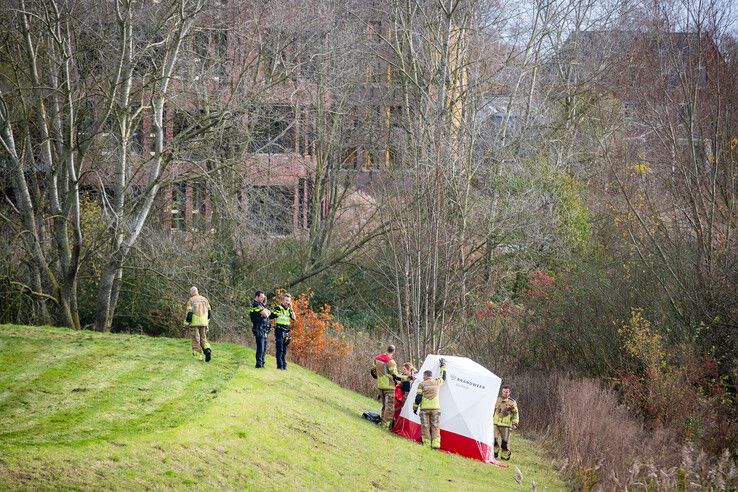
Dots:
{"x": 283, "y": 316}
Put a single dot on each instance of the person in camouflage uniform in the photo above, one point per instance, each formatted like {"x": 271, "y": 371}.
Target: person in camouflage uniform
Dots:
{"x": 198, "y": 318}
{"x": 505, "y": 420}
{"x": 428, "y": 400}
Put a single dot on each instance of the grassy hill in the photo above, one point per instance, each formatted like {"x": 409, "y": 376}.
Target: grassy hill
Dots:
{"x": 82, "y": 410}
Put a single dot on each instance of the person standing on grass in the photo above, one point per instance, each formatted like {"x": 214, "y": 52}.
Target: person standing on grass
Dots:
{"x": 403, "y": 387}
{"x": 259, "y": 315}
{"x": 384, "y": 370}
{"x": 283, "y": 316}
{"x": 198, "y": 318}
{"x": 505, "y": 420}
{"x": 428, "y": 400}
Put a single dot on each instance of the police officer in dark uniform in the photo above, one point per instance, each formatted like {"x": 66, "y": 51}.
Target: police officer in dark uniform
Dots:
{"x": 283, "y": 315}
{"x": 259, "y": 315}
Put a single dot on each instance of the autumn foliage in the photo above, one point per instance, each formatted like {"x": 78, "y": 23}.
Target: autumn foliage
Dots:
{"x": 317, "y": 339}
{"x": 320, "y": 344}
{"x": 515, "y": 324}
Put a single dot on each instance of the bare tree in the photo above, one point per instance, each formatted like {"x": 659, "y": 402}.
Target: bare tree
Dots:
{"x": 157, "y": 56}
{"x": 81, "y": 77}
{"x": 39, "y": 133}
{"x": 679, "y": 184}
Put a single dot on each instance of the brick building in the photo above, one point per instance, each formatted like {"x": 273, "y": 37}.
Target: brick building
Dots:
{"x": 274, "y": 149}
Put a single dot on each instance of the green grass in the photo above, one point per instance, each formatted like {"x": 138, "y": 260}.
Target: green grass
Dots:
{"x": 85, "y": 411}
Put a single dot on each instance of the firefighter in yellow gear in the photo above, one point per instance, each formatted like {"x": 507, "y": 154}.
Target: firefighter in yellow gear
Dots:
{"x": 505, "y": 420}
{"x": 428, "y": 400}
{"x": 198, "y": 317}
{"x": 384, "y": 370}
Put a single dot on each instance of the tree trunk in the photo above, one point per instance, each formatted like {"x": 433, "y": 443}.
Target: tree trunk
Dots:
{"x": 104, "y": 307}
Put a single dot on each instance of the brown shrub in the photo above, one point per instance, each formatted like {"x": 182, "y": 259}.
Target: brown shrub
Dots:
{"x": 602, "y": 443}
{"x": 593, "y": 431}
{"x": 676, "y": 388}
{"x": 352, "y": 370}
{"x": 539, "y": 399}
{"x": 317, "y": 339}
{"x": 320, "y": 344}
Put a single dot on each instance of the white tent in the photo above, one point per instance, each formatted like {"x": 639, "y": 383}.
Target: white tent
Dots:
{"x": 468, "y": 399}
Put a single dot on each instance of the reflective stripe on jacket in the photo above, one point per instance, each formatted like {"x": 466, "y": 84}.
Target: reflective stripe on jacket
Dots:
{"x": 260, "y": 322}
{"x": 430, "y": 389}
{"x": 506, "y": 412}
{"x": 385, "y": 368}
{"x": 200, "y": 309}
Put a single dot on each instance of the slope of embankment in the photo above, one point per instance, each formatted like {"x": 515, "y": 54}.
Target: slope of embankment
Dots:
{"x": 83, "y": 410}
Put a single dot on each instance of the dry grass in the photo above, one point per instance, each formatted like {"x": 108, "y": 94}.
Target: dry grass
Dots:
{"x": 603, "y": 444}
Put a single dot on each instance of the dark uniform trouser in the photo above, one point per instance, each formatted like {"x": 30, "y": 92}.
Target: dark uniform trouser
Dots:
{"x": 388, "y": 404}
{"x": 261, "y": 346}
{"x": 430, "y": 425}
{"x": 279, "y": 335}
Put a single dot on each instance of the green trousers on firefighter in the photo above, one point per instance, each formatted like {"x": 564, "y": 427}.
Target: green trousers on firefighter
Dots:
{"x": 430, "y": 425}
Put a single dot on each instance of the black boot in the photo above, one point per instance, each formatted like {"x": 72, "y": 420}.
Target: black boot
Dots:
{"x": 208, "y": 354}
{"x": 505, "y": 455}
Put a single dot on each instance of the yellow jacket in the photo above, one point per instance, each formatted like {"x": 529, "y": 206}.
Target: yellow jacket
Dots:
{"x": 429, "y": 389}
{"x": 506, "y": 412}
{"x": 385, "y": 368}
{"x": 200, "y": 309}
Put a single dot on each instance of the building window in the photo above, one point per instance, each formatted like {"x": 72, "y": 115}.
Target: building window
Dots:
{"x": 221, "y": 52}
{"x": 272, "y": 129}
{"x": 374, "y": 30}
{"x": 372, "y": 158}
{"x": 304, "y": 210}
{"x": 701, "y": 75}
{"x": 180, "y": 123}
{"x": 395, "y": 73}
{"x": 198, "y": 206}
{"x": 229, "y": 145}
{"x": 349, "y": 160}
{"x": 372, "y": 118}
{"x": 306, "y": 140}
{"x": 273, "y": 58}
{"x": 271, "y": 209}
{"x": 378, "y": 71}
{"x": 179, "y": 204}
{"x": 396, "y": 116}
{"x": 309, "y": 68}
{"x": 201, "y": 47}
{"x": 188, "y": 127}
{"x": 137, "y": 135}
{"x": 629, "y": 112}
